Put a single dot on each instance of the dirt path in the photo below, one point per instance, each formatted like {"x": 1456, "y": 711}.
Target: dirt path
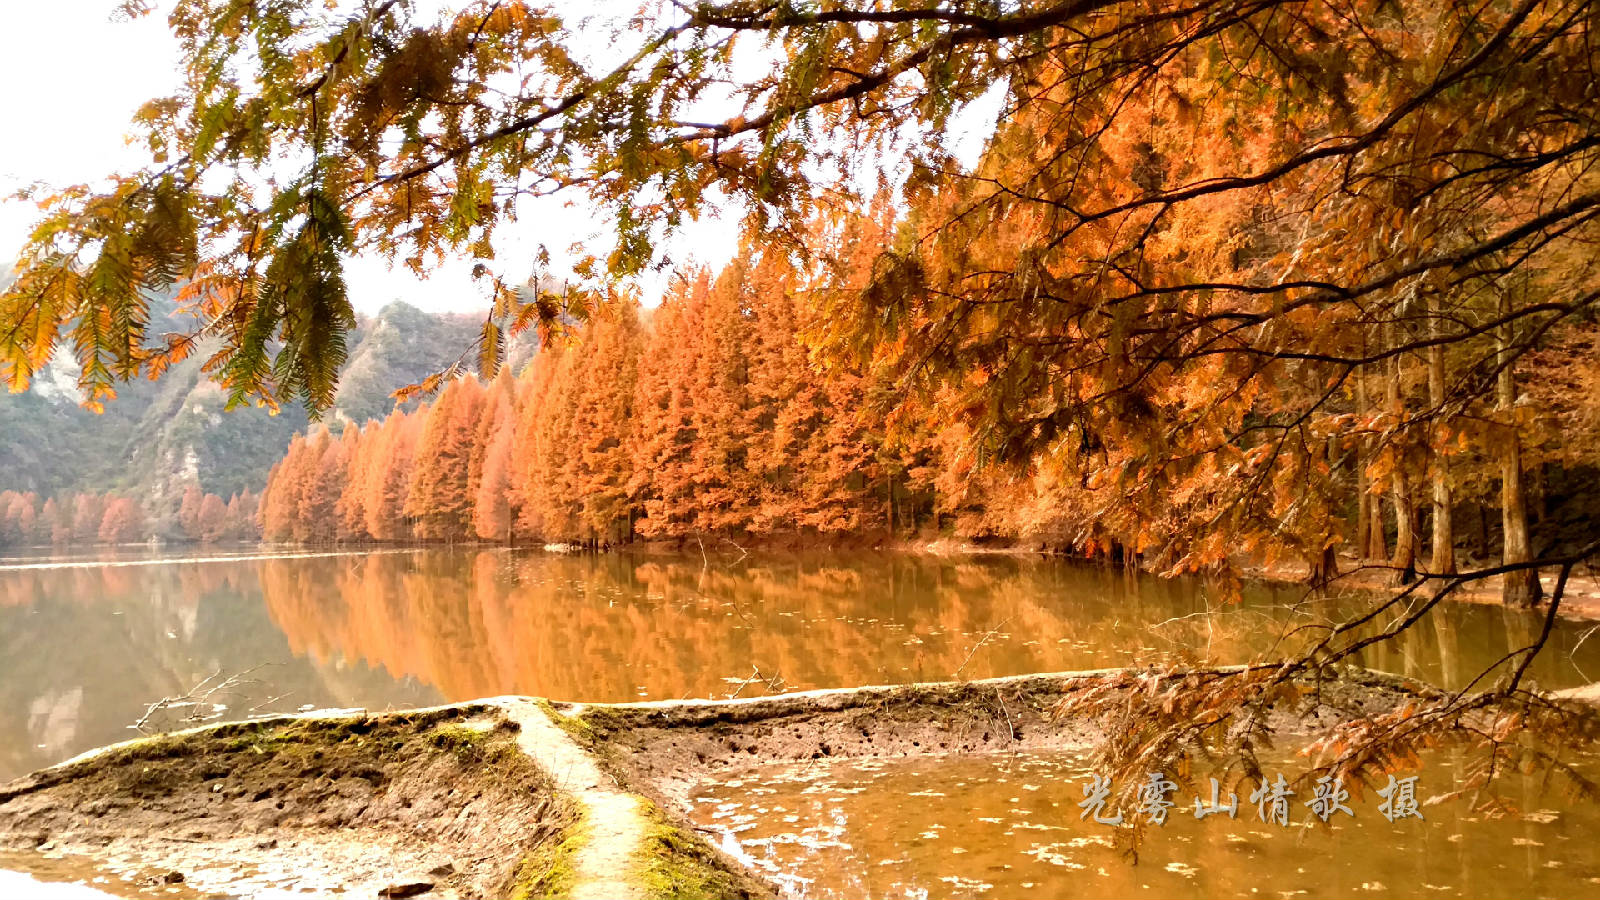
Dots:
{"x": 607, "y": 863}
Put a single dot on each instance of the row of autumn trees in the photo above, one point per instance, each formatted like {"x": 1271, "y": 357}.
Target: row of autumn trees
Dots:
{"x": 707, "y": 421}
{"x": 716, "y": 416}
{"x": 114, "y": 518}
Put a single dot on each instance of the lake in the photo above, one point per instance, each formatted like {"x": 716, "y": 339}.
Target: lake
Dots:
{"x": 1008, "y": 825}
{"x": 90, "y": 642}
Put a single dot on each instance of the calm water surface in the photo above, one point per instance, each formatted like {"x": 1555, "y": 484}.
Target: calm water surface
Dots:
{"x": 87, "y": 643}
{"x": 1008, "y": 826}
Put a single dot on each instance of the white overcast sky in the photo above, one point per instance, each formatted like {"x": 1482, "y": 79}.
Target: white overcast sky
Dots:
{"x": 67, "y": 101}
{"x": 71, "y": 80}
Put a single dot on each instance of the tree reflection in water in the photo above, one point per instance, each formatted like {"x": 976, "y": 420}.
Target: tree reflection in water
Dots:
{"x": 87, "y": 648}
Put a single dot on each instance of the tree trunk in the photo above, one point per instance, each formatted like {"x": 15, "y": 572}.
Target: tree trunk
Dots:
{"x": 1363, "y": 499}
{"x": 1369, "y": 508}
{"x": 1379, "y": 546}
{"x": 1325, "y": 567}
{"x": 1406, "y": 538}
{"x": 888, "y": 497}
{"x": 1363, "y": 510}
{"x": 1483, "y": 531}
{"x": 1444, "y": 533}
{"x": 1521, "y": 588}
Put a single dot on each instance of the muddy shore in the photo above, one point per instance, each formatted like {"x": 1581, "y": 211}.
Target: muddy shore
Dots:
{"x": 439, "y": 797}
{"x": 508, "y": 797}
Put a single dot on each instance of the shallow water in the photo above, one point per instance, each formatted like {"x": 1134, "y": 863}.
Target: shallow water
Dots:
{"x": 88, "y": 643}
{"x": 1009, "y": 826}
{"x": 17, "y": 884}
{"x": 48, "y": 876}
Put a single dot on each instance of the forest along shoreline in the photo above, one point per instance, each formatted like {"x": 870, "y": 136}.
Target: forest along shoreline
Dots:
{"x": 523, "y": 797}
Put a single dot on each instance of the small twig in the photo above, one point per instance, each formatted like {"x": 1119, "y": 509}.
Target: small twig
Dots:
{"x": 1002, "y": 698}
{"x": 981, "y": 641}
{"x": 742, "y": 551}
{"x": 754, "y": 674}
{"x": 774, "y": 683}
{"x": 201, "y": 699}
{"x": 268, "y": 702}
{"x": 1572, "y": 655}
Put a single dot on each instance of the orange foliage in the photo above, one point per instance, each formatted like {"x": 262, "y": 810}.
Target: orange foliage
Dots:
{"x": 710, "y": 420}
{"x": 124, "y": 522}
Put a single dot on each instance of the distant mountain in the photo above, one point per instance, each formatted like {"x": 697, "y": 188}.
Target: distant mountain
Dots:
{"x": 158, "y": 437}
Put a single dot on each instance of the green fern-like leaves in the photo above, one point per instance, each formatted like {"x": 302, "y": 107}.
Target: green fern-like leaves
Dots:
{"x": 89, "y": 271}
{"x": 303, "y": 307}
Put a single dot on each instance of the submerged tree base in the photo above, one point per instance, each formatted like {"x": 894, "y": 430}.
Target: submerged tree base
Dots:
{"x": 519, "y": 797}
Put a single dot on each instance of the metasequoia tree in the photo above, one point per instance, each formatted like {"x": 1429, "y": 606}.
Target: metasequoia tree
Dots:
{"x": 322, "y": 480}
{"x": 722, "y": 491}
{"x": 59, "y": 519}
{"x": 387, "y": 483}
{"x": 662, "y": 440}
{"x": 83, "y": 518}
{"x": 603, "y": 417}
{"x": 212, "y": 519}
{"x": 87, "y": 511}
{"x": 350, "y": 508}
{"x": 123, "y": 522}
{"x": 544, "y": 462}
{"x": 532, "y": 390}
{"x": 280, "y": 499}
{"x": 243, "y": 516}
{"x": 489, "y": 470}
{"x": 498, "y": 413}
{"x": 492, "y": 512}
{"x": 17, "y": 518}
{"x": 439, "y": 499}
{"x": 189, "y": 511}
{"x": 829, "y": 466}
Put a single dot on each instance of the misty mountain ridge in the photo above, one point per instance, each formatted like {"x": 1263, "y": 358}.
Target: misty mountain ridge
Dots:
{"x": 158, "y": 437}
